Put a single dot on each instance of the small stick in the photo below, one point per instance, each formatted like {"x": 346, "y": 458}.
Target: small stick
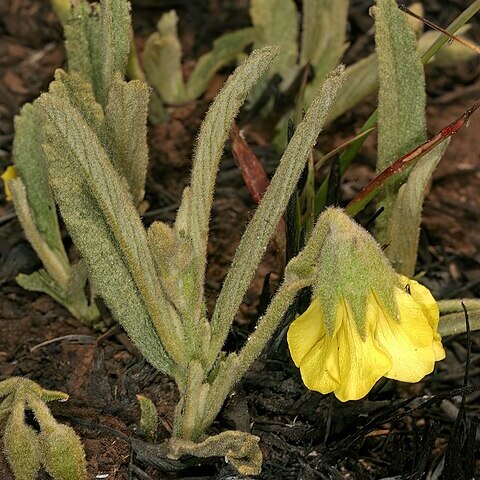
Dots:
{"x": 370, "y": 190}
{"x": 465, "y": 42}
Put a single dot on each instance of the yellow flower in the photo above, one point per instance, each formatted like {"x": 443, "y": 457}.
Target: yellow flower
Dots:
{"x": 8, "y": 174}
{"x": 365, "y": 321}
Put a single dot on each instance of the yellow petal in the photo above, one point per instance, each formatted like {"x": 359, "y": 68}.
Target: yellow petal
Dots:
{"x": 408, "y": 341}
{"x": 429, "y": 307}
{"x": 9, "y": 174}
{"x": 304, "y": 332}
{"x": 313, "y": 350}
{"x": 361, "y": 362}
{"x": 319, "y": 368}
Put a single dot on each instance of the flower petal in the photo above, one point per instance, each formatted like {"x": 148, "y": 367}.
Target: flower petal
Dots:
{"x": 305, "y": 331}
{"x": 429, "y": 308}
{"x": 319, "y": 368}
{"x": 361, "y": 362}
{"x": 408, "y": 341}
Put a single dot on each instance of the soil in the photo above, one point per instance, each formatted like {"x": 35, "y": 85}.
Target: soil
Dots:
{"x": 400, "y": 431}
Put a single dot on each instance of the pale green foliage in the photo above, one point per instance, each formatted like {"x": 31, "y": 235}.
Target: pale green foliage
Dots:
{"x": 226, "y": 49}
{"x": 56, "y": 447}
{"x": 30, "y": 167}
{"x": 81, "y": 186}
{"x": 401, "y": 97}
{"x": 402, "y": 126}
{"x": 211, "y": 141}
{"x": 452, "y": 315}
{"x": 63, "y": 455}
{"x": 272, "y": 206}
{"x": 154, "y": 282}
{"x": 450, "y": 54}
{"x": 163, "y": 60}
{"x": 323, "y": 39}
{"x": 97, "y": 42}
{"x": 241, "y": 450}
{"x": 36, "y": 211}
{"x": 362, "y": 80}
{"x": 125, "y": 131}
{"x": 276, "y": 23}
{"x": 404, "y": 223}
{"x": 21, "y": 445}
{"x": 148, "y": 417}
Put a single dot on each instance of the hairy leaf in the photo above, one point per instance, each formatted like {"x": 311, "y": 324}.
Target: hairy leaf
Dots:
{"x": 404, "y": 224}
{"x": 260, "y": 229}
{"x": 225, "y": 50}
{"x": 401, "y": 97}
{"x": 162, "y": 58}
{"x": 98, "y": 210}
{"x": 323, "y": 39}
{"x": 125, "y": 129}
{"x": 213, "y": 135}
{"x": 276, "y": 23}
{"x": 30, "y": 167}
{"x": 97, "y": 40}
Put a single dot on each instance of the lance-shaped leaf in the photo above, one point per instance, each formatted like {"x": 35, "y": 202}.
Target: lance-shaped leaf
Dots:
{"x": 260, "y": 229}
{"x": 225, "y": 50}
{"x": 323, "y": 39}
{"x": 125, "y": 127}
{"x": 362, "y": 80}
{"x": 401, "y": 97}
{"x": 81, "y": 31}
{"x": 30, "y": 167}
{"x": 22, "y": 445}
{"x": 97, "y": 40}
{"x": 162, "y": 58}
{"x": 404, "y": 224}
{"x": 276, "y": 23}
{"x": 122, "y": 129}
{"x": 213, "y": 135}
{"x": 101, "y": 217}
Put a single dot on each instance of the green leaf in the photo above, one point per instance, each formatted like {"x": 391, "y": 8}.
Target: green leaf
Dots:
{"x": 260, "y": 229}
{"x": 103, "y": 222}
{"x": 62, "y": 453}
{"x": 22, "y": 445}
{"x": 114, "y": 41}
{"x": 97, "y": 40}
{"x": 81, "y": 31}
{"x": 79, "y": 93}
{"x": 211, "y": 140}
{"x": 362, "y": 80}
{"x": 55, "y": 261}
{"x": 148, "y": 417}
{"x": 225, "y": 50}
{"x": 323, "y": 39}
{"x": 41, "y": 281}
{"x": 125, "y": 128}
{"x": 30, "y": 167}
{"x": 401, "y": 97}
{"x": 276, "y": 23}
{"x": 162, "y": 58}
{"x": 404, "y": 224}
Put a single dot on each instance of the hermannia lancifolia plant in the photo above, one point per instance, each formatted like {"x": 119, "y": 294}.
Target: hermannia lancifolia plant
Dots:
{"x": 365, "y": 321}
{"x": 97, "y": 46}
{"x": 50, "y": 445}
